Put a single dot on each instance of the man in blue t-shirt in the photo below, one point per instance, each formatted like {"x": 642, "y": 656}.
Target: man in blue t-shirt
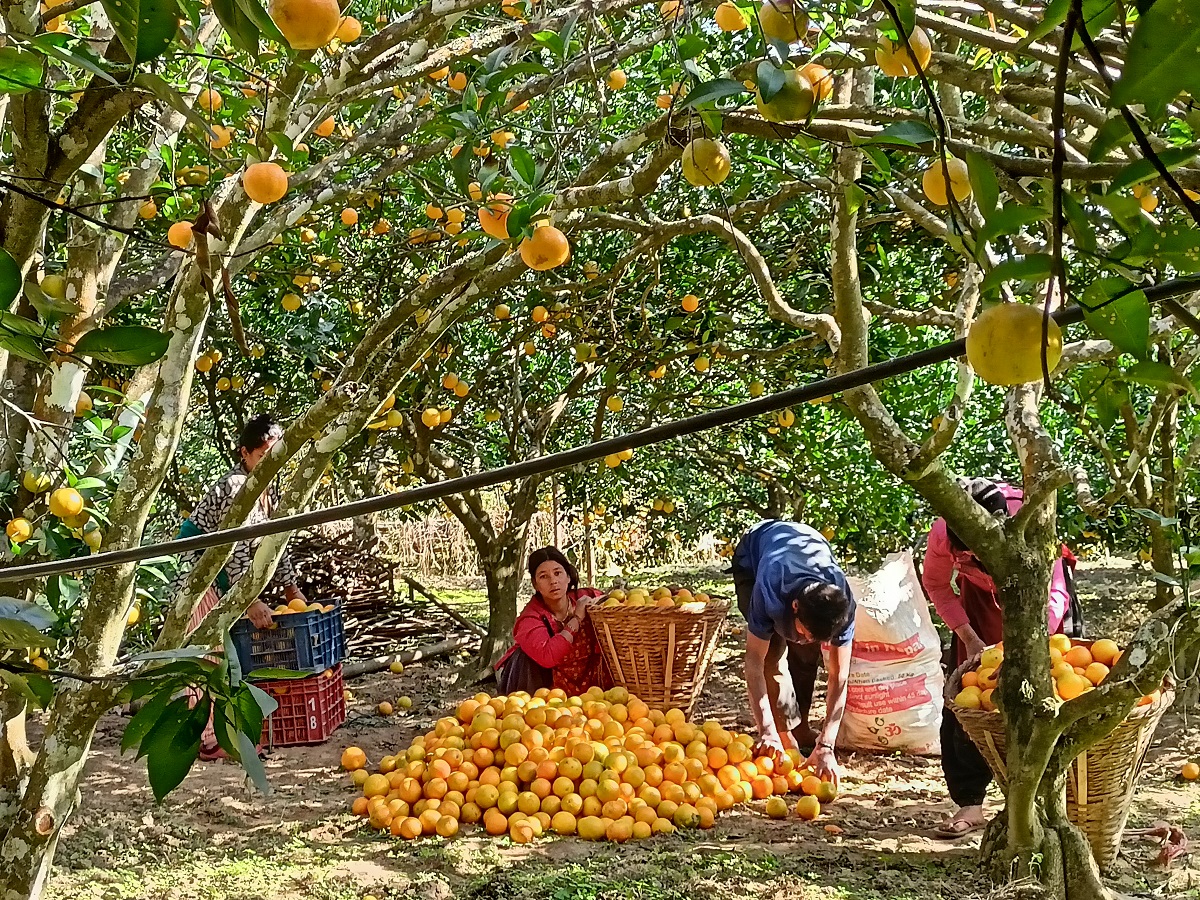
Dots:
{"x": 794, "y": 597}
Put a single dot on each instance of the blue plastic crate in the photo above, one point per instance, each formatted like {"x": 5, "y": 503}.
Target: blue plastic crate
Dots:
{"x": 302, "y": 642}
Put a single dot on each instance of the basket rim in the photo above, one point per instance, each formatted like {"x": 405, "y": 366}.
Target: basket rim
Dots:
{"x": 721, "y": 606}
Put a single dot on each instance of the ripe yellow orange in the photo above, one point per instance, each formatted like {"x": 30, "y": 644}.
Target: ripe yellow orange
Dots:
{"x": 493, "y": 218}
{"x": 1096, "y": 672}
{"x": 66, "y": 502}
{"x": 349, "y": 30}
{"x": 1071, "y": 685}
{"x": 291, "y": 302}
{"x": 616, "y": 79}
{"x": 547, "y": 248}
{"x": 783, "y": 20}
{"x": 705, "y": 162}
{"x": 777, "y": 808}
{"x": 19, "y": 530}
{"x": 385, "y": 708}
{"x": 266, "y": 182}
{"x": 1060, "y": 642}
{"x": 793, "y": 103}
{"x": 1078, "y": 656}
{"x": 933, "y": 182}
{"x": 899, "y": 60}
{"x": 325, "y": 127}
{"x": 1190, "y": 771}
{"x": 808, "y": 807}
{"x": 306, "y": 24}
{"x": 180, "y": 235}
{"x": 1105, "y": 651}
{"x": 820, "y": 78}
{"x": 349, "y": 216}
{"x": 1004, "y": 345}
{"x": 729, "y": 18}
{"x": 209, "y": 100}
{"x": 969, "y": 697}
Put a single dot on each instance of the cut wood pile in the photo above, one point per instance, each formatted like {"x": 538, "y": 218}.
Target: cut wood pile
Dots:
{"x": 383, "y": 609}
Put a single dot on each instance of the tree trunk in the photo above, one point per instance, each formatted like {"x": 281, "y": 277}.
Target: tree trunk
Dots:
{"x": 27, "y": 851}
{"x": 502, "y": 571}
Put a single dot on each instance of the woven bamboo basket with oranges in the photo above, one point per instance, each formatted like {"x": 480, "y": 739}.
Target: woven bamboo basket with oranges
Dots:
{"x": 1102, "y": 778}
{"x": 661, "y": 653}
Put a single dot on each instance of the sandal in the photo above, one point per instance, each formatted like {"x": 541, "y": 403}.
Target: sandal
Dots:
{"x": 955, "y": 828}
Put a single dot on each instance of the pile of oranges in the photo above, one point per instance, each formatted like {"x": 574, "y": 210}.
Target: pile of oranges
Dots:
{"x": 1076, "y": 667}
{"x": 663, "y": 597}
{"x": 603, "y": 766}
{"x": 299, "y": 606}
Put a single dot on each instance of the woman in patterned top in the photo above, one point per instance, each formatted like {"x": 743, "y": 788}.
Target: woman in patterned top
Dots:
{"x": 555, "y": 641}
{"x": 259, "y": 435}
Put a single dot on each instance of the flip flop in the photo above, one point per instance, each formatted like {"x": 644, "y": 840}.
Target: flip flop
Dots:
{"x": 956, "y": 828}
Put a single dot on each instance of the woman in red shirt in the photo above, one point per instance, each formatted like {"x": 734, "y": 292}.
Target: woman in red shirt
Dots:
{"x": 555, "y": 643}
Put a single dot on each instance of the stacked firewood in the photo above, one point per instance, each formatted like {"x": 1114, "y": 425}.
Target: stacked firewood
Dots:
{"x": 380, "y": 611}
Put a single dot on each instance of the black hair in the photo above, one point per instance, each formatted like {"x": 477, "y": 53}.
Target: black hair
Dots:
{"x": 987, "y": 494}
{"x": 823, "y": 609}
{"x": 257, "y": 432}
{"x": 552, "y": 554}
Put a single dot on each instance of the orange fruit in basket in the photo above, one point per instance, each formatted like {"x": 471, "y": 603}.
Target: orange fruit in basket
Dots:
{"x": 1071, "y": 685}
{"x": 297, "y": 605}
{"x": 1079, "y": 657}
{"x": 1105, "y": 651}
{"x": 970, "y": 679}
{"x": 1096, "y": 672}
{"x": 1061, "y": 643}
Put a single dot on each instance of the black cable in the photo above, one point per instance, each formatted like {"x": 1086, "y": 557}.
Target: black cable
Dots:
{"x": 554, "y": 462}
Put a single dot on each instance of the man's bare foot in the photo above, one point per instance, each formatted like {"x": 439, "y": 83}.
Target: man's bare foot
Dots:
{"x": 963, "y": 822}
{"x": 805, "y": 737}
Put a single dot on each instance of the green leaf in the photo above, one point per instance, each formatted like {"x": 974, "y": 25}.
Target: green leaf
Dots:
{"x": 904, "y": 134}
{"x": 146, "y": 718}
{"x": 1143, "y": 169}
{"x": 855, "y": 197}
{"x": 69, "y": 49}
{"x": 173, "y": 751}
{"x": 1080, "y": 225}
{"x": 1161, "y": 58}
{"x": 1111, "y": 134}
{"x": 162, "y": 89}
{"x": 145, "y": 27}
{"x": 21, "y": 325}
{"x": 20, "y": 71}
{"x": 1053, "y": 16}
{"x": 23, "y": 346}
{"x": 1175, "y": 245}
{"x": 522, "y": 167}
{"x": 271, "y": 674}
{"x": 711, "y": 91}
{"x": 769, "y": 79}
{"x": 1124, "y": 321}
{"x": 242, "y": 31}
{"x": 1034, "y": 267}
{"x": 691, "y": 46}
{"x": 1009, "y": 219}
{"x": 984, "y": 185}
{"x": 253, "y": 766}
{"x": 124, "y": 345}
{"x": 10, "y": 278}
{"x": 1158, "y": 374}
{"x": 906, "y": 13}
{"x": 258, "y": 15}
{"x": 880, "y": 160}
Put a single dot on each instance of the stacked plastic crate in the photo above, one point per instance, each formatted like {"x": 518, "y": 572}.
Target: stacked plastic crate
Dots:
{"x": 311, "y": 708}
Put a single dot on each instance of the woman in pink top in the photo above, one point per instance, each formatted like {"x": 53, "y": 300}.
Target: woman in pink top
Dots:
{"x": 965, "y": 596}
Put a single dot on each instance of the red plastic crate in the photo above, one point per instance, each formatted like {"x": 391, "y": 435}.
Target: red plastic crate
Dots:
{"x": 310, "y": 709}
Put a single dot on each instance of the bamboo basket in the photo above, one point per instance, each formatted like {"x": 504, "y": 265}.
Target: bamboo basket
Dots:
{"x": 661, "y": 655}
{"x": 1102, "y": 778}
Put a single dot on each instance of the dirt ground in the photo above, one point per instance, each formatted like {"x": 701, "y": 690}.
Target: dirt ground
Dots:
{"x": 215, "y": 837}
